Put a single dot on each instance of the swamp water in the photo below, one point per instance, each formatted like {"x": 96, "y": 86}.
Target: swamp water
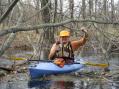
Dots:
{"x": 89, "y": 80}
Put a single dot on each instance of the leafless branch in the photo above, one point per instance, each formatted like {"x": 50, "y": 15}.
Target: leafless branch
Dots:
{"x": 35, "y": 27}
{"x": 8, "y": 10}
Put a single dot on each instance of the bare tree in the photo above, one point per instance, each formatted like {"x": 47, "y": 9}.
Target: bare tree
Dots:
{"x": 55, "y": 11}
{"x": 38, "y": 14}
{"x": 71, "y": 7}
{"x": 8, "y": 10}
{"x": 105, "y": 8}
{"x": 46, "y": 16}
{"x": 83, "y": 9}
{"x": 61, "y": 10}
{"x": 112, "y": 10}
{"x": 46, "y": 19}
{"x": 90, "y": 8}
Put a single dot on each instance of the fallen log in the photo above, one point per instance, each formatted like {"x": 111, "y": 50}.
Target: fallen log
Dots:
{"x": 6, "y": 69}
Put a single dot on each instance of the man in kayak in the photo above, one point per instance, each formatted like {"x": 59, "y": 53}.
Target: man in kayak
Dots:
{"x": 63, "y": 50}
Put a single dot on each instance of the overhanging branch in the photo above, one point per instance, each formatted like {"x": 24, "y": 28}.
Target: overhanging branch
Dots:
{"x": 35, "y": 27}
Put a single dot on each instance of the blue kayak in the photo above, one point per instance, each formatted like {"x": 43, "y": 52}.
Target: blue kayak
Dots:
{"x": 48, "y": 68}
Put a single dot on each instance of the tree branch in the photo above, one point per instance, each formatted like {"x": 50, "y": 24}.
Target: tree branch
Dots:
{"x": 8, "y": 10}
{"x": 7, "y": 43}
{"x": 35, "y": 27}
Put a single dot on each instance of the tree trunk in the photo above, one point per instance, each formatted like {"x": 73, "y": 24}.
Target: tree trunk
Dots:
{"x": 46, "y": 19}
{"x": 90, "y": 8}
{"x": 38, "y": 14}
{"x": 71, "y": 7}
{"x": 112, "y": 10}
{"x": 61, "y": 10}
{"x": 96, "y": 9}
{"x": 105, "y": 9}
{"x": 83, "y": 10}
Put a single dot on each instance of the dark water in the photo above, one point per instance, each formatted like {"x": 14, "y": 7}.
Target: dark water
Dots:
{"x": 67, "y": 81}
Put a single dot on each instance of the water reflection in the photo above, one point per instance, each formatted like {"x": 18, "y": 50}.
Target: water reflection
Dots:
{"x": 37, "y": 84}
{"x": 72, "y": 84}
{"x": 62, "y": 85}
{"x": 62, "y": 82}
{"x": 68, "y": 81}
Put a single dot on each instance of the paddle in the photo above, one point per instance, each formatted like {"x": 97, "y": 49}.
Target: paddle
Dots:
{"x": 102, "y": 65}
{"x": 16, "y": 58}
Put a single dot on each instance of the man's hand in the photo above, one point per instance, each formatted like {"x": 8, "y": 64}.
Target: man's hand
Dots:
{"x": 83, "y": 29}
{"x": 57, "y": 40}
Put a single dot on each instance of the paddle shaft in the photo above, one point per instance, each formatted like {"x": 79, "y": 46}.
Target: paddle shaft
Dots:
{"x": 84, "y": 63}
{"x": 50, "y": 61}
